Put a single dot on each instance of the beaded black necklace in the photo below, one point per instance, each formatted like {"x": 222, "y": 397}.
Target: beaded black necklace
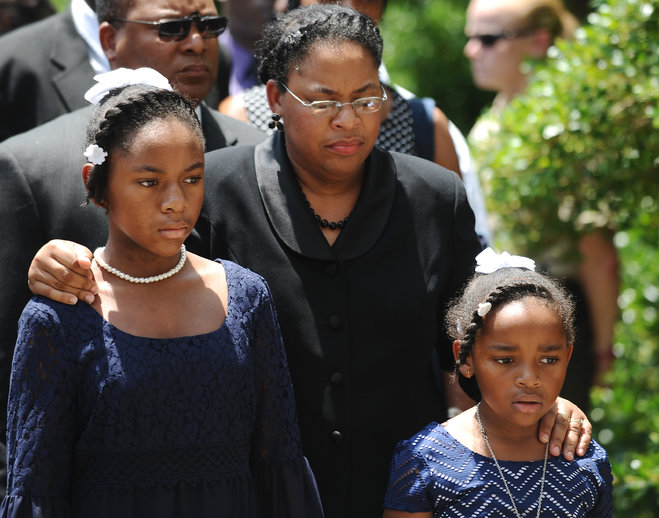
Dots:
{"x": 332, "y": 225}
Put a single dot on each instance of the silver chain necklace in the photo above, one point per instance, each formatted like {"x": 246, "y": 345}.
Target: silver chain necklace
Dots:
{"x": 505, "y": 484}
{"x": 139, "y": 280}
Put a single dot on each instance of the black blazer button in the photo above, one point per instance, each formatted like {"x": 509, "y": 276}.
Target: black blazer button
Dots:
{"x": 335, "y": 321}
{"x": 337, "y": 437}
{"x": 336, "y": 378}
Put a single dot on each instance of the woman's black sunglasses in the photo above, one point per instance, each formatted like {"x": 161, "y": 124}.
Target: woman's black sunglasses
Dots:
{"x": 488, "y": 40}
{"x": 177, "y": 29}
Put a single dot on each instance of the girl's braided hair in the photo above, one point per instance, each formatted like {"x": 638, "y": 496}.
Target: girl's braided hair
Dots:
{"x": 505, "y": 285}
{"x": 287, "y": 40}
{"x": 121, "y": 114}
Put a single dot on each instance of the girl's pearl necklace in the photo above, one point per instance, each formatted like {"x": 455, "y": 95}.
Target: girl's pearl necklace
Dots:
{"x": 139, "y": 280}
{"x": 544, "y": 467}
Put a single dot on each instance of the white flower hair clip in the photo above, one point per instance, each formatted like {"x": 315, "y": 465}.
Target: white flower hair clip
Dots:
{"x": 489, "y": 261}
{"x": 484, "y": 308}
{"x": 95, "y": 154}
{"x": 294, "y": 38}
{"x": 124, "y": 77}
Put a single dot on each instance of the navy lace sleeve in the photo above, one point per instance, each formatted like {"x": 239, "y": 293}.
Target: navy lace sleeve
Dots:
{"x": 284, "y": 481}
{"x": 41, "y": 417}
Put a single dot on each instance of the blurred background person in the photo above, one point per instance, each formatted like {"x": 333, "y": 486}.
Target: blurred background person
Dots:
{"x": 504, "y": 37}
{"x": 503, "y": 33}
{"x": 16, "y": 13}
{"x": 247, "y": 19}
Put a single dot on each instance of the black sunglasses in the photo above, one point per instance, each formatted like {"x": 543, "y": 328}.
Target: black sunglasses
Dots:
{"x": 488, "y": 40}
{"x": 177, "y": 29}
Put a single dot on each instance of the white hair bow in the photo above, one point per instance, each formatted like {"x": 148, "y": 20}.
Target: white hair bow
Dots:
{"x": 489, "y": 261}
{"x": 124, "y": 77}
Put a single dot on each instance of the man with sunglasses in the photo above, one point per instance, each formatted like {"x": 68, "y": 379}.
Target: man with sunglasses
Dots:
{"x": 177, "y": 38}
{"x": 40, "y": 186}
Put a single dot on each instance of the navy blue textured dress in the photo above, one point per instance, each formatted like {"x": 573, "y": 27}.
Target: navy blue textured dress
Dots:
{"x": 103, "y": 423}
{"x": 433, "y": 471}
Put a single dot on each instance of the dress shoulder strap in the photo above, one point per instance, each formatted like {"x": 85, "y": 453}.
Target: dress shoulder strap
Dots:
{"x": 424, "y": 126}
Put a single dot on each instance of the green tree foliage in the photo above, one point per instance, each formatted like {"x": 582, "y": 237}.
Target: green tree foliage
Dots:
{"x": 579, "y": 151}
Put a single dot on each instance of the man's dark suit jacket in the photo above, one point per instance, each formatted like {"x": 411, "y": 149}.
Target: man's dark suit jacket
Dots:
{"x": 41, "y": 193}
{"x": 44, "y": 73}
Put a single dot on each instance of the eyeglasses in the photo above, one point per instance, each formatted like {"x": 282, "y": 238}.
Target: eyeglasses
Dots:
{"x": 489, "y": 40}
{"x": 177, "y": 29}
{"x": 331, "y": 108}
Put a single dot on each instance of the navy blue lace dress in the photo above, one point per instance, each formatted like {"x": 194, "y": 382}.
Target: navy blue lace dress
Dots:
{"x": 103, "y": 423}
{"x": 434, "y": 472}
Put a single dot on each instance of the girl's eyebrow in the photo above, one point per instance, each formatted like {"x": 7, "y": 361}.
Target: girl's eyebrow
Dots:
{"x": 551, "y": 347}
{"x": 506, "y": 347}
{"x": 196, "y": 165}
{"x": 152, "y": 169}
{"x": 502, "y": 347}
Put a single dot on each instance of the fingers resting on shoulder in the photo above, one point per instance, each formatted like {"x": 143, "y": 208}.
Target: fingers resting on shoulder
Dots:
{"x": 567, "y": 428}
{"x": 61, "y": 271}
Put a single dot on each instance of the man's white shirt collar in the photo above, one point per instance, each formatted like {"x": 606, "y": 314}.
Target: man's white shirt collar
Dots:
{"x": 86, "y": 23}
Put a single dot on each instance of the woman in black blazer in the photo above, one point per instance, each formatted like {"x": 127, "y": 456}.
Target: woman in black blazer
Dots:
{"x": 362, "y": 250}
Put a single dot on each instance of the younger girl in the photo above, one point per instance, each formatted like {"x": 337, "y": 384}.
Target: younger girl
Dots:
{"x": 170, "y": 395}
{"x": 513, "y": 334}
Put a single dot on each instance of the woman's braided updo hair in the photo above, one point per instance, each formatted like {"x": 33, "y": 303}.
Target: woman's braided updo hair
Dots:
{"x": 121, "y": 114}
{"x": 505, "y": 285}
{"x": 287, "y": 40}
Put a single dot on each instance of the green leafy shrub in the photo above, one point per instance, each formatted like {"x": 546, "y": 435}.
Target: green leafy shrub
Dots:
{"x": 577, "y": 152}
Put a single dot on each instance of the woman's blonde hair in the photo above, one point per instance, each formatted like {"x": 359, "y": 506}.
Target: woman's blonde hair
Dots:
{"x": 547, "y": 14}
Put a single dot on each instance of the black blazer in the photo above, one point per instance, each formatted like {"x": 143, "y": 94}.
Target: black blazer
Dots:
{"x": 41, "y": 193}
{"x": 44, "y": 73}
{"x": 360, "y": 319}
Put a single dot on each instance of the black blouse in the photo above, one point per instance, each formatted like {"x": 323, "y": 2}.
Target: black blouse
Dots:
{"x": 361, "y": 320}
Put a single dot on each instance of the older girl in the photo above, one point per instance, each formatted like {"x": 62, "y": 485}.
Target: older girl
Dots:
{"x": 170, "y": 394}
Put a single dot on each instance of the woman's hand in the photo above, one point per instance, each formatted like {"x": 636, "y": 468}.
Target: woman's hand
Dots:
{"x": 569, "y": 427}
{"x": 61, "y": 271}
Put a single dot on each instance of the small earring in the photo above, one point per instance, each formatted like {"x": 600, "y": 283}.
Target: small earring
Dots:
{"x": 276, "y": 122}
{"x": 468, "y": 373}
